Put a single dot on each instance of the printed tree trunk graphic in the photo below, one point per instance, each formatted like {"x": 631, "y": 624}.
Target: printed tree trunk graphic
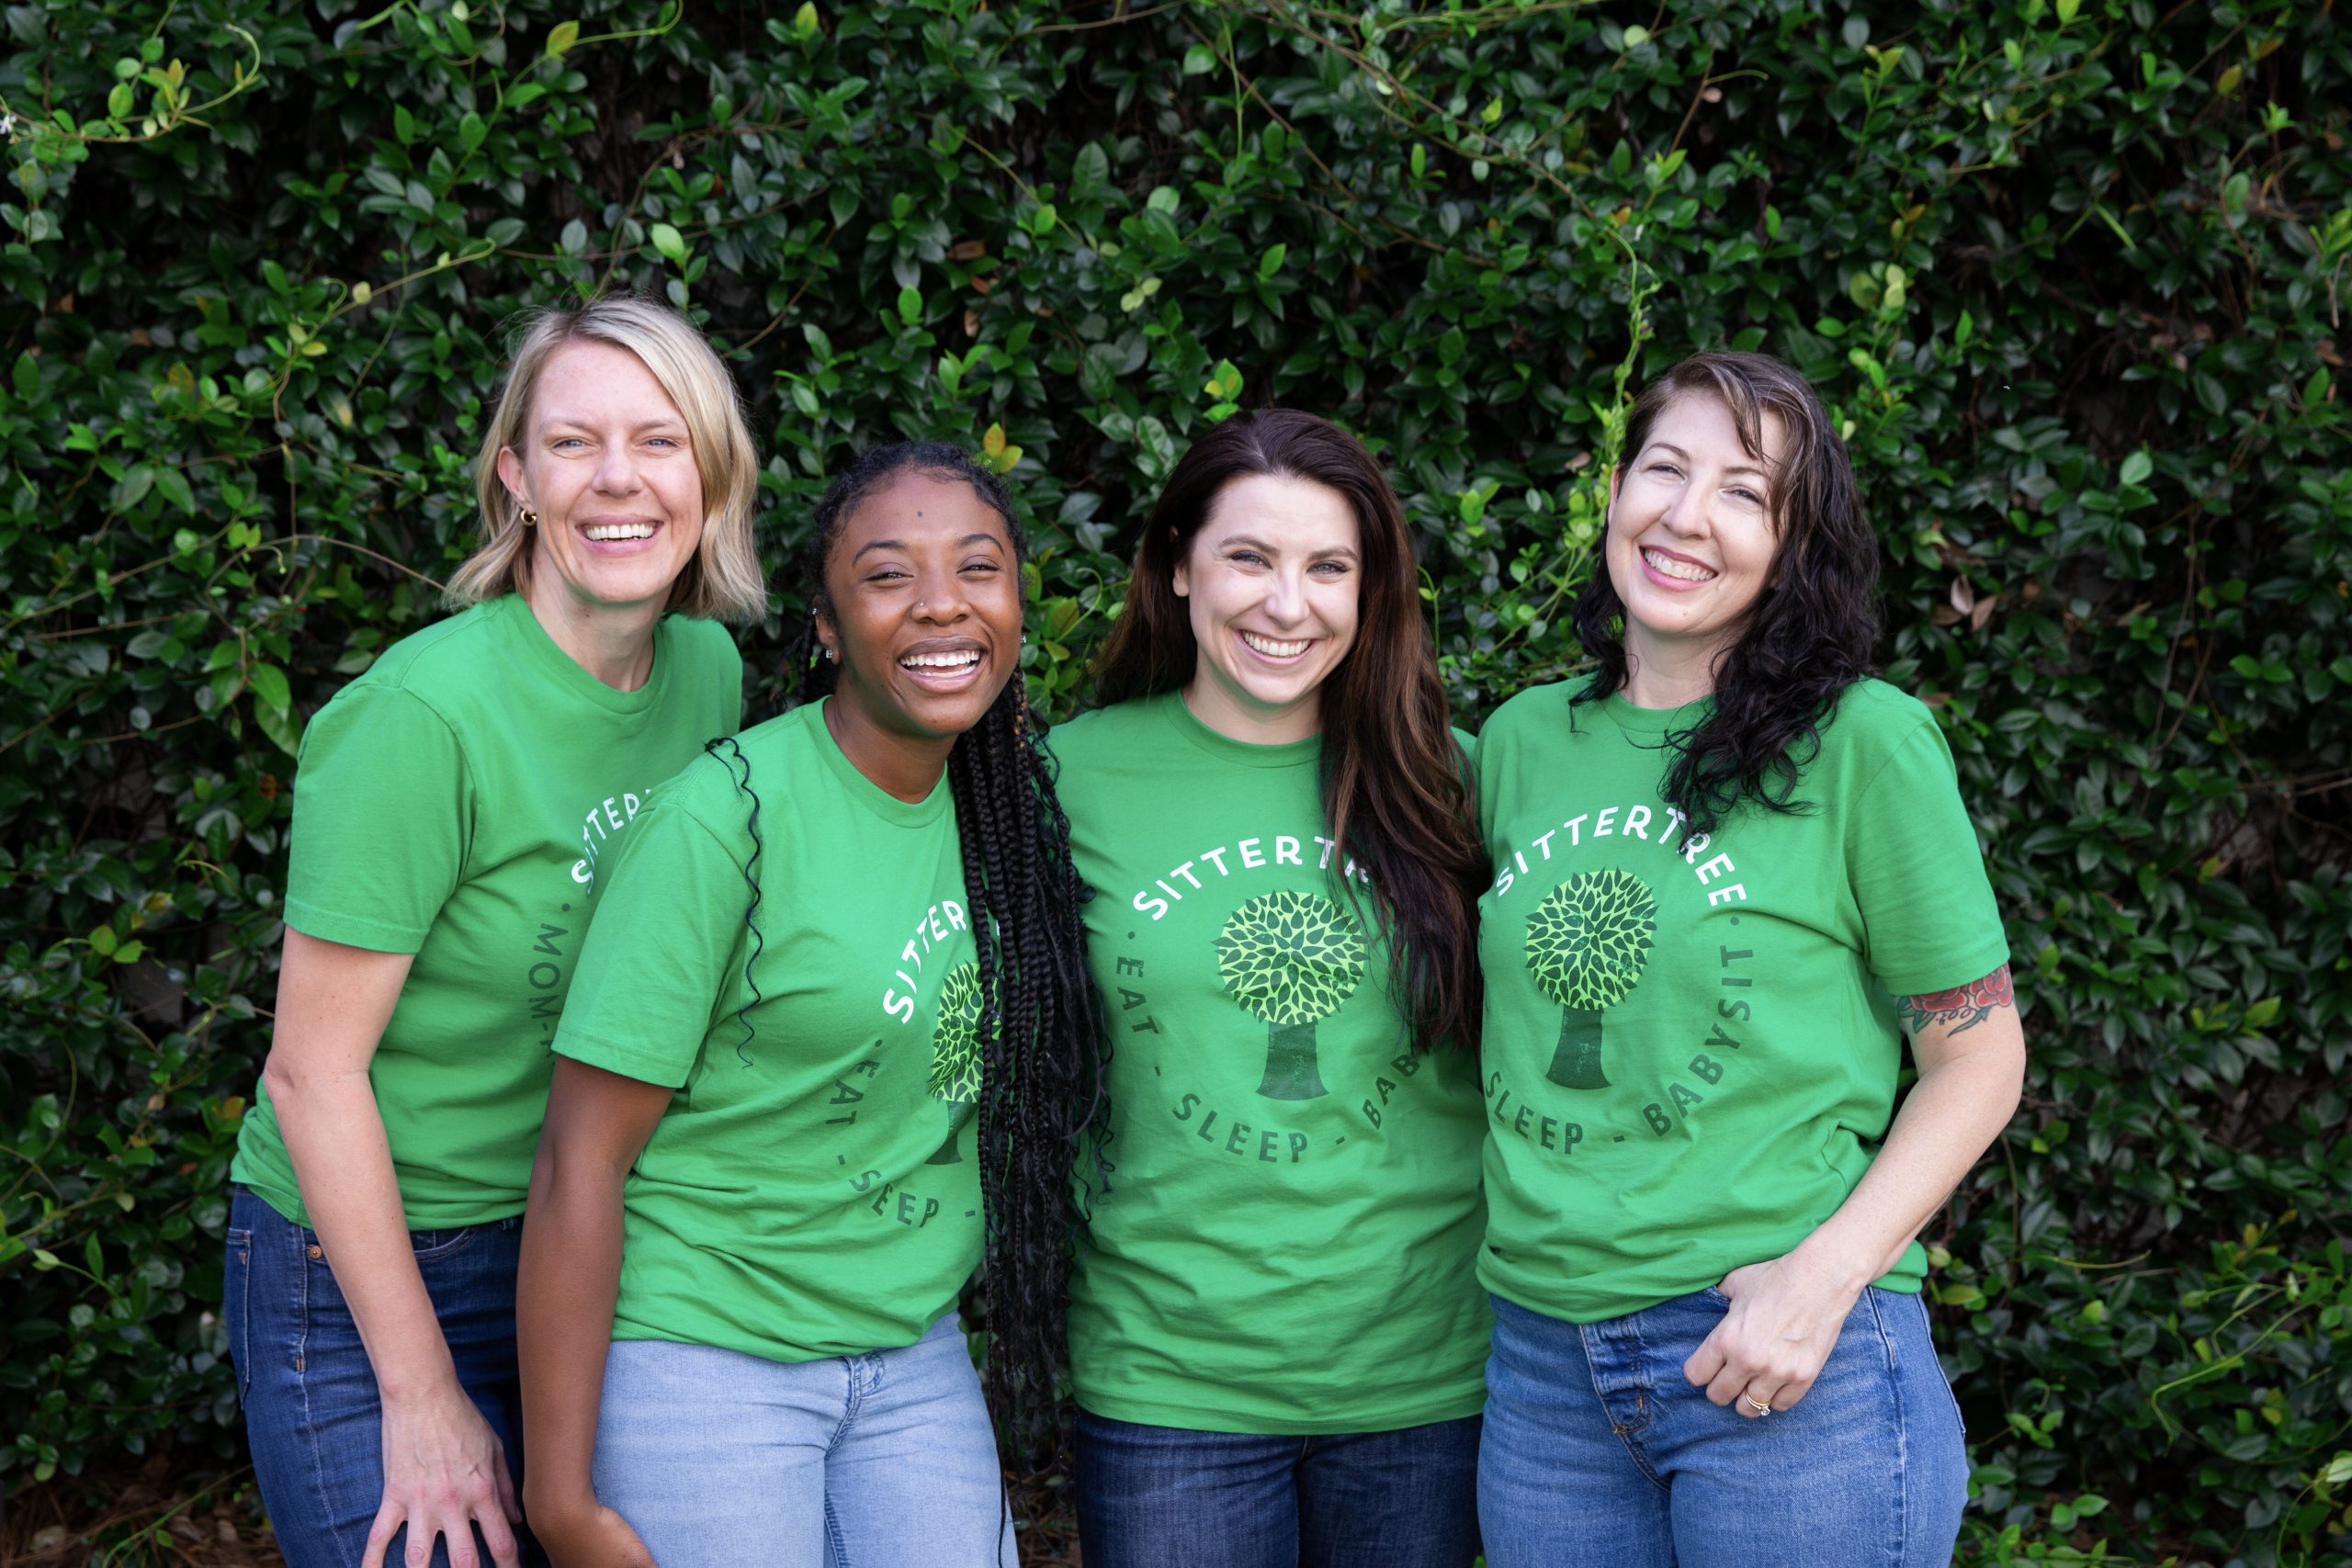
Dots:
{"x": 1291, "y": 959}
{"x": 956, "y": 1053}
{"x": 1586, "y": 947}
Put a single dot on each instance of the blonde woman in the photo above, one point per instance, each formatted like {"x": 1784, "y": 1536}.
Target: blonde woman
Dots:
{"x": 452, "y": 808}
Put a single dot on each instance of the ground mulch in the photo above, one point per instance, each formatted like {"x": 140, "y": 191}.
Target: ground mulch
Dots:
{"x": 169, "y": 1512}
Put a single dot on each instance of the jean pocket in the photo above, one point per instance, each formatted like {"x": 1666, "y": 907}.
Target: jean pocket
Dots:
{"x": 431, "y": 1246}
{"x": 236, "y": 1306}
{"x": 1716, "y": 1295}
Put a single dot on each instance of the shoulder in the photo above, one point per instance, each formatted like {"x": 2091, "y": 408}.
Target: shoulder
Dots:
{"x": 1535, "y": 712}
{"x": 445, "y": 657}
{"x": 762, "y": 759}
{"x": 703, "y": 646}
{"x": 1873, "y": 721}
{"x": 1099, "y": 732}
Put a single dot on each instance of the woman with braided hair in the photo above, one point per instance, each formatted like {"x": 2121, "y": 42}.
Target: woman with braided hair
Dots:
{"x": 1276, "y": 1334}
{"x": 1731, "y": 870}
{"x": 831, "y": 1053}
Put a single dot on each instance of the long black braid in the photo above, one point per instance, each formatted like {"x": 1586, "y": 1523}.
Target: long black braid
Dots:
{"x": 1042, "y": 1054}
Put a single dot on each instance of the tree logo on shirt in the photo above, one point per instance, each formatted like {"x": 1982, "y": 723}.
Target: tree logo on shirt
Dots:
{"x": 956, "y": 1053}
{"x": 1585, "y": 947}
{"x": 1290, "y": 960}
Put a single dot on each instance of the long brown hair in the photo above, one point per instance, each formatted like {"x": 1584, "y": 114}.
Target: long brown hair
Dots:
{"x": 1812, "y": 632}
{"x": 1393, "y": 784}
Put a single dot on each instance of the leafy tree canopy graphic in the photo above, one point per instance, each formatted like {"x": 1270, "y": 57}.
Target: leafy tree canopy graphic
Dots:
{"x": 1290, "y": 958}
{"x": 955, "y": 1039}
{"x": 1587, "y": 941}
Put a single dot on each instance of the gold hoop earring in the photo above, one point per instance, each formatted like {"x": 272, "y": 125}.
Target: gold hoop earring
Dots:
{"x": 530, "y": 518}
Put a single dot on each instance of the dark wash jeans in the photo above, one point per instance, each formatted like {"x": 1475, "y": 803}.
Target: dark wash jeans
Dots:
{"x": 1166, "y": 1497}
{"x": 313, "y": 1416}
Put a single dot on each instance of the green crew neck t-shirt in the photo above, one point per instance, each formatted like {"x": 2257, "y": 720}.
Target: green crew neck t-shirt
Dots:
{"x": 1288, "y": 1239}
{"x": 812, "y": 1188}
{"x": 455, "y": 802}
{"x": 1691, "y": 1044}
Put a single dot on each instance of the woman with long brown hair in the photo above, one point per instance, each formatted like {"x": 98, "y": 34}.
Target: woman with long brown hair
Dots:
{"x": 1731, "y": 871}
{"x": 1274, "y": 1322}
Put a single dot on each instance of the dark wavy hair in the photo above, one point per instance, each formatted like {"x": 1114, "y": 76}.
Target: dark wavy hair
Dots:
{"x": 1814, "y": 628}
{"x": 1392, "y": 777}
{"x": 1041, "y": 1064}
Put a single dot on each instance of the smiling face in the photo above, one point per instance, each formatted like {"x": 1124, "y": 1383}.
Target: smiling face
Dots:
{"x": 606, "y": 460}
{"x": 1692, "y": 531}
{"x": 1271, "y": 586}
{"x": 923, "y": 608}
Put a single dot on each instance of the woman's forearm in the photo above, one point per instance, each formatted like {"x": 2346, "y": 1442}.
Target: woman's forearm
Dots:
{"x": 563, "y": 1319}
{"x": 1957, "y": 1108}
{"x": 343, "y": 1162}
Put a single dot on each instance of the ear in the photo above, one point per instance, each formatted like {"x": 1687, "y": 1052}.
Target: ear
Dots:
{"x": 510, "y": 474}
{"x": 1180, "y": 576}
{"x": 1616, "y": 472}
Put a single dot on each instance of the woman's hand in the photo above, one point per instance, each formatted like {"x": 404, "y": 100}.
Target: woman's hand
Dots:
{"x": 588, "y": 1535}
{"x": 445, "y": 1472}
{"x": 1783, "y": 1322}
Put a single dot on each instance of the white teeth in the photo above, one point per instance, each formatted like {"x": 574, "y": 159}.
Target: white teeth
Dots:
{"x": 605, "y": 532}
{"x": 1272, "y": 649}
{"x": 1681, "y": 570}
{"x": 963, "y": 659}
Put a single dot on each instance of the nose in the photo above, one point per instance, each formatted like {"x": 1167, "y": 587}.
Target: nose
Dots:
{"x": 1686, "y": 512}
{"x": 1285, "y": 600}
{"x": 617, "y": 470}
{"x": 939, "y": 599}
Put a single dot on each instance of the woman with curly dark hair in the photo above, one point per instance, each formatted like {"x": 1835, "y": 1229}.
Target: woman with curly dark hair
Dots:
{"x": 1276, "y": 1334}
{"x": 1732, "y": 870}
{"x": 828, "y": 1053}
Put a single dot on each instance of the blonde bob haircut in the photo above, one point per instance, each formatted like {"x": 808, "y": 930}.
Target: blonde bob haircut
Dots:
{"x": 723, "y": 582}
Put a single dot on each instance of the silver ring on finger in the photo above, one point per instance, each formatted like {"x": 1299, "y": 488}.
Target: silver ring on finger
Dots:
{"x": 1761, "y": 1407}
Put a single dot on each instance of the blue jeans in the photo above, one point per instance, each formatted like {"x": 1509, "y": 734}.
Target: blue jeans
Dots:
{"x": 882, "y": 1460}
{"x": 1169, "y": 1498}
{"x": 1597, "y": 1452}
{"x": 312, "y": 1415}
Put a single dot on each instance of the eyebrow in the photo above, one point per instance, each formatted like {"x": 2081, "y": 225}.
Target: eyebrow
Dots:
{"x": 1734, "y": 469}
{"x": 1252, "y": 542}
{"x": 562, "y": 421}
{"x": 964, "y": 543}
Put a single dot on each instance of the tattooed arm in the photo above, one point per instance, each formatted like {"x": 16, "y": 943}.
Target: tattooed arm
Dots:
{"x": 1785, "y": 1313}
{"x": 1962, "y": 1007}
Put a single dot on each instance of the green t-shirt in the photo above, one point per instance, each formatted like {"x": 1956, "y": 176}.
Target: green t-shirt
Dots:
{"x": 811, "y": 1190}
{"x": 455, "y": 802}
{"x": 1691, "y": 1045}
{"x": 1289, "y": 1236}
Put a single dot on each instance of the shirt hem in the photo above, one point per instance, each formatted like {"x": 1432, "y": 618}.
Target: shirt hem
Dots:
{"x": 353, "y": 931}
{"x": 1144, "y": 1412}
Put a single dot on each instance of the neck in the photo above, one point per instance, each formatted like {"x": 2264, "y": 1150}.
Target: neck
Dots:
{"x": 1214, "y": 707}
{"x": 1665, "y": 674}
{"x": 905, "y": 766}
{"x": 611, "y": 642}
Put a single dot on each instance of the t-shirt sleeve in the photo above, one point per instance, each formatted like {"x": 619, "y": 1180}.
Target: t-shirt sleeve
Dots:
{"x": 382, "y": 820}
{"x": 670, "y": 916}
{"x": 1929, "y": 920}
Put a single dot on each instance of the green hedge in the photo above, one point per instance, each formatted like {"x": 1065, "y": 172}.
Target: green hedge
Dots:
{"x": 2073, "y": 275}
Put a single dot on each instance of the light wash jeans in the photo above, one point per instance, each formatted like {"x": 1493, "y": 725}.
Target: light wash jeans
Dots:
{"x": 1596, "y": 1453}
{"x": 722, "y": 1459}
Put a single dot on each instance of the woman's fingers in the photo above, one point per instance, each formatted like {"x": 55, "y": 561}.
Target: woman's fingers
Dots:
{"x": 389, "y": 1517}
{"x": 496, "y": 1534}
{"x": 1707, "y": 1361}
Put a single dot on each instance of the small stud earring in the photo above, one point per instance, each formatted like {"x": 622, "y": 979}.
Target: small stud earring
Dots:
{"x": 530, "y": 518}
{"x": 833, "y": 654}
